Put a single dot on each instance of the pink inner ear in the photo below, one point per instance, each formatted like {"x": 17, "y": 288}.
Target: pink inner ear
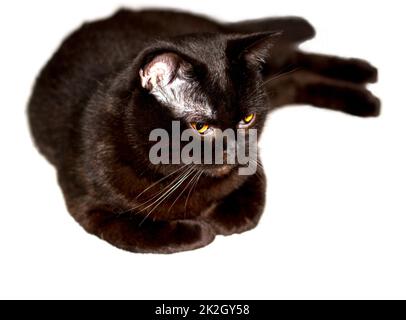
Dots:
{"x": 160, "y": 71}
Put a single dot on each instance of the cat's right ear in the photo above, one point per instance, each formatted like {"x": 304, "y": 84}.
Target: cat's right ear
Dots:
{"x": 160, "y": 71}
{"x": 254, "y": 48}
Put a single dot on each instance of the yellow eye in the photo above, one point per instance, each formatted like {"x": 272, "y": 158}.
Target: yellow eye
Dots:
{"x": 249, "y": 118}
{"x": 200, "y": 127}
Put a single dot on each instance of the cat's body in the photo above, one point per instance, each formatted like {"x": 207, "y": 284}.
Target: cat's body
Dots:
{"x": 93, "y": 108}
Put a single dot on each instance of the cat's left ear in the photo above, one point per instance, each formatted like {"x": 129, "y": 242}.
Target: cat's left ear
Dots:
{"x": 254, "y": 48}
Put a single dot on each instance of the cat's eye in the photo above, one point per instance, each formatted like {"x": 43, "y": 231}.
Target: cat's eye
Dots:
{"x": 247, "y": 120}
{"x": 200, "y": 127}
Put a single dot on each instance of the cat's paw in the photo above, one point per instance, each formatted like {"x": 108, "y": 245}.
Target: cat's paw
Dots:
{"x": 242, "y": 209}
{"x": 352, "y": 70}
{"x": 227, "y": 225}
{"x": 148, "y": 236}
{"x": 189, "y": 235}
{"x": 362, "y": 103}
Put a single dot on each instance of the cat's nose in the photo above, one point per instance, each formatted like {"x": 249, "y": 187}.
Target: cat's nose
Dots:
{"x": 228, "y": 158}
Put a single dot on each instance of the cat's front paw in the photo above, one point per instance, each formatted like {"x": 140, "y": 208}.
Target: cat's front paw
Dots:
{"x": 228, "y": 224}
{"x": 242, "y": 209}
{"x": 188, "y": 235}
{"x": 149, "y": 236}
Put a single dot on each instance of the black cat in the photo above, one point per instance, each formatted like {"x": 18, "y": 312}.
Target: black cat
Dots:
{"x": 113, "y": 81}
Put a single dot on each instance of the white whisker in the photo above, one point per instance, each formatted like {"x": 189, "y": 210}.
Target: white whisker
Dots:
{"x": 166, "y": 194}
{"x": 191, "y": 189}
{"x": 180, "y": 194}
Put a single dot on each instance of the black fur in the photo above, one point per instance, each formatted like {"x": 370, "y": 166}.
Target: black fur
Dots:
{"x": 91, "y": 116}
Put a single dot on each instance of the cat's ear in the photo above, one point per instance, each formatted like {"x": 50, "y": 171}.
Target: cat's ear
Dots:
{"x": 161, "y": 70}
{"x": 254, "y": 48}
{"x": 168, "y": 77}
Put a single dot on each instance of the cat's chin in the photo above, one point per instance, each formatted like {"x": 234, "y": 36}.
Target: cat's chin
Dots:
{"x": 220, "y": 171}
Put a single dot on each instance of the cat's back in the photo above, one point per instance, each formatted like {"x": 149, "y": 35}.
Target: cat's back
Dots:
{"x": 88, "y": 57}
{"x": 101, "y": 46}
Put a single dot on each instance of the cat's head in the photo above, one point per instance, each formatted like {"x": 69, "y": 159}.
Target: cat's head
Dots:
{"x": 207, "y": 84}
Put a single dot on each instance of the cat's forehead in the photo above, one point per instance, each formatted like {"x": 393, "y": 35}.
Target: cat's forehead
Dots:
{"x": 167, "y": 77}
{"x": 185, "y": 99}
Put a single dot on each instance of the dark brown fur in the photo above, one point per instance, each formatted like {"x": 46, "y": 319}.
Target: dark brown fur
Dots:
{"x": 83, "y": 120}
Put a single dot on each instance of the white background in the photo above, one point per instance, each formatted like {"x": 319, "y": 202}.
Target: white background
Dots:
{"x": 335, "y": 221}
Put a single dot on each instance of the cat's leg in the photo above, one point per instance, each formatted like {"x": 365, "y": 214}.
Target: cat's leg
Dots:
{"x": 286, "y": 59}
{"x": 285, "y": 54}
{"x": 242, "y": 209}
{"x": 134, "y": 233}
{"x": 351, "y": 70}
{"x": 305, "y": 87}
